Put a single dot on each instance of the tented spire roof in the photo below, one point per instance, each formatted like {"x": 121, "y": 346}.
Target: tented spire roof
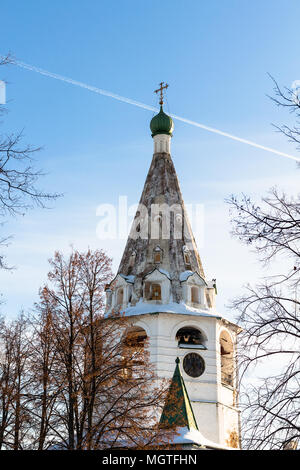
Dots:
{"x": 178, "y": 411}
{"x": 161, "y": 225}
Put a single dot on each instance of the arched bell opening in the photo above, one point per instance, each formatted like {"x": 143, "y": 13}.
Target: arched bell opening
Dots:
{"x": 133, "y": 351}
{"x": 227, "y": 360}
{"x": 191, "y": 338}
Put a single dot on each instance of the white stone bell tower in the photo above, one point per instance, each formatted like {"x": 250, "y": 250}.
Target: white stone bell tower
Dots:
{"x": 161, "y": 288}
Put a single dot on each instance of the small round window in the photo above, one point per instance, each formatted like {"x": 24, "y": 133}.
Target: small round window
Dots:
{"x": 193, "y": 365}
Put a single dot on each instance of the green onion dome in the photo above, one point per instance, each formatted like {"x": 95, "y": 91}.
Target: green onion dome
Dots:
{"x": 161, "y": 124}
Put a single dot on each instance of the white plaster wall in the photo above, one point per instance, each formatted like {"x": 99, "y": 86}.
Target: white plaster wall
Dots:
{"x": 206, "y": 415}
{"x": 208, "y": 396}
{"x": 230, "y": 420}
{"x": 162, "y": 143}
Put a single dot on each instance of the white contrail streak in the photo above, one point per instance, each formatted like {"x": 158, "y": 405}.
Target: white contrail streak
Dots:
{"x": 84, "y": 85}
{"x": 150, "y": 108}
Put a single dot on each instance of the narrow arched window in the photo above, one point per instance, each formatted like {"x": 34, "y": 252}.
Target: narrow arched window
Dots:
{"x": 227, "y": 364}
{"x": 132, "y": 259}
{"x": 156, "y": 292}
{"x": 187, "y": 258}
{"x": 195, "y": 295}
{"x": 120, "y": 295}
{"x": 157, "y": 254}
{"x": 108, "y": 298}
{"x": 152, "y": 291}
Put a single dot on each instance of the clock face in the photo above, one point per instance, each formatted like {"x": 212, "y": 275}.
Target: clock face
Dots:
{"x": 193, "y": 365}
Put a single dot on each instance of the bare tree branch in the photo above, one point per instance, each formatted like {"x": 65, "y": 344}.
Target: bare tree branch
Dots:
{"x": 270, "y": 315}
{"x": 290, "y": 99}
{"x": 18, "y": 175}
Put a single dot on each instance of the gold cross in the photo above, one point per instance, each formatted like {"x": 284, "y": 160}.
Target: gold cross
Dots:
{"x": 160, "y": 90}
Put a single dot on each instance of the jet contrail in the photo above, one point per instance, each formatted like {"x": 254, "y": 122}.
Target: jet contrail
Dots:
{"x": 149, "y": 108}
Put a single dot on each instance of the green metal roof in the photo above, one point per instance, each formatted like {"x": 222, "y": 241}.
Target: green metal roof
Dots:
{"x": 161, "y": 123}
{"x": 178, "y": 411}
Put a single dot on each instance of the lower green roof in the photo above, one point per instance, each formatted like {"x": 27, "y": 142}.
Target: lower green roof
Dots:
{"x": 178, "y": 411}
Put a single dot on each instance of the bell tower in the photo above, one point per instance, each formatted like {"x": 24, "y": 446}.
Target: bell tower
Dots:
{"x": 162, "y": 289}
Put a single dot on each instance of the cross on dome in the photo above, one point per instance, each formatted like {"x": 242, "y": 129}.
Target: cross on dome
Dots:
{"x": 160, "y": 90}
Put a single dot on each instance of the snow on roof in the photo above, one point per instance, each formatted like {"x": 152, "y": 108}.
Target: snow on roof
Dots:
{"x": 141, "y": 308}
{"x": 166, "y": 273}
{"x": 161, "y": 270}
{"x": 193, "y": 436}
{"x": 129, "y": 279}
{"x": 186, "y": 274}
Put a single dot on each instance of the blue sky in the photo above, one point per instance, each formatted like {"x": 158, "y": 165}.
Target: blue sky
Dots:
{"x": 215, "y": 56}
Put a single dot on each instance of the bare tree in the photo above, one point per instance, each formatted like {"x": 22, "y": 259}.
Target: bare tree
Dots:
{"x": 18, "y": 175}
{"x": 290, "y": 99}
{"x": 15, "y": 381}
{"x": 270, "y": 315}
{"x": 7, "y": 382}
{"x": 44, "y": 389}
{"x": 22, "y": 420}
{"x": 106, "y": 391}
